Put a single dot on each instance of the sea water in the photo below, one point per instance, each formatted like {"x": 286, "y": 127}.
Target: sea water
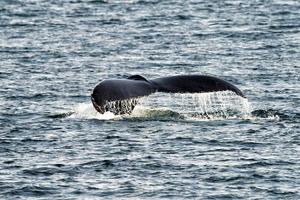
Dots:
{"x": 54, "y": 145}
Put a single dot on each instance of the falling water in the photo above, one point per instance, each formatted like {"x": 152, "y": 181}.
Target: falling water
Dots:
{"x": 121, "y": 106}
{"x": 212, "y": 105}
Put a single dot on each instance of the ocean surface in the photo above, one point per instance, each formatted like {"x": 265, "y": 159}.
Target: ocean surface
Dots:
{"x": 54, "y": 145}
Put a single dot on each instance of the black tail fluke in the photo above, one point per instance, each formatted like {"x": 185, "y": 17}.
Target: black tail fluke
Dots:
{"x": 194, "y": 84}
{"x": 120, "y": 95}
{"x": 116, "y": 95}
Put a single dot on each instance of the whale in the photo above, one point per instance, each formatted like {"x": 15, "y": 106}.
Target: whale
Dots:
{"x": 120, "y": 96}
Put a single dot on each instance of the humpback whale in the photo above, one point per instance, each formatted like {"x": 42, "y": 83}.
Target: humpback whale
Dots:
{"x": 120, "y": 96}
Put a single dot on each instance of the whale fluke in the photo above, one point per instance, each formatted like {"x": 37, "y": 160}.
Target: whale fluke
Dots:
{"x": 194, "y": 84}
{"x": 121, "y": 95}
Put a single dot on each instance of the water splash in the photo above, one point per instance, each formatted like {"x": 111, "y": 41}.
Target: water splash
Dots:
{"x": 87, "y": 111}
{"x": 215, "y": 105}
{"x": 203, "y": 106}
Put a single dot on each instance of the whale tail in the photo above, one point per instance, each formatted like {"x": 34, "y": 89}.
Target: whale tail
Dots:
{"x": 121, "y": 96}
{"x": 194, "y": 84}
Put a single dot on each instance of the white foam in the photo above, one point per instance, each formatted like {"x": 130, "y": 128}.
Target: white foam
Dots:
{"x": 87, "y": 111}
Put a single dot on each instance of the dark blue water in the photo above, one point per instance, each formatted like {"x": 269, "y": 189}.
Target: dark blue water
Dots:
{"x": 53, "y": 144}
